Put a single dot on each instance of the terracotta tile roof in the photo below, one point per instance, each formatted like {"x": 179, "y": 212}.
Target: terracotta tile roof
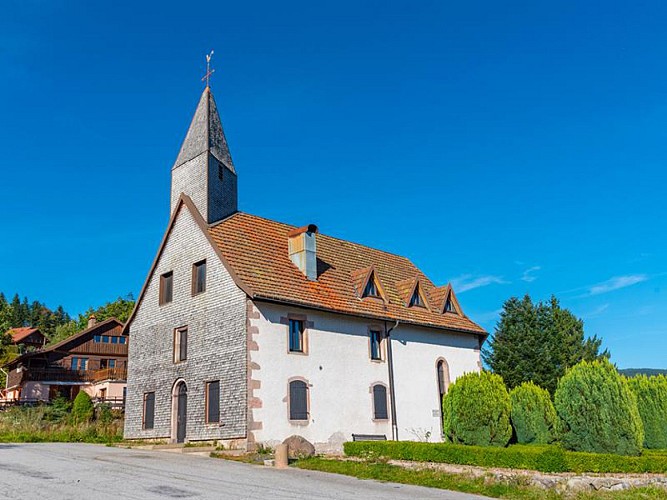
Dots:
{"x": 18, "y": 334}
{"x": 256, "y": 251}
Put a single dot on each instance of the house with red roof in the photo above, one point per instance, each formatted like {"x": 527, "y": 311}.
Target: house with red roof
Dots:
{"x": 27, "y": 337}
{"x": 248, "y": 330}
{"x": 93, "y": 360}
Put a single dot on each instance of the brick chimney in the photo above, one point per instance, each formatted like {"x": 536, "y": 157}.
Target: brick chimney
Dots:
{"x": 303, "y": 250}
{"x": 92, "y": 320}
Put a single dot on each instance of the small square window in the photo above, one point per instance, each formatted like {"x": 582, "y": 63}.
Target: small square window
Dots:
{"x": 166, "y": 288}
{"x": 220, "y": 171}
{"x": 114, "y": 340}
{"x": 105, "y": 339}
{"x": 180, "y": 344}
{"x": 97, "y": 339}
{"x": 296, "y": 335}
{"x": 199, "y": 277}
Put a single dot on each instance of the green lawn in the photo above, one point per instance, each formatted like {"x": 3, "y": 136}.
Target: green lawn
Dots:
{"x": 515, "y": 489}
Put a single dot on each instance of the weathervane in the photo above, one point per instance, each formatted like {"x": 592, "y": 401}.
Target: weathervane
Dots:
{"x": 209, "y": 71}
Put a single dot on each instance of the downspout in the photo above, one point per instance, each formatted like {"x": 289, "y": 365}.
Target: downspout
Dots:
{"x": 392, "y": 392}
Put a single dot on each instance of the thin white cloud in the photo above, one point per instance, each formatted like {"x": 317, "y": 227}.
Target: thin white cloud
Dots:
{"x": 529, "y": 274}
{"x": 597, "y": 311}
{"x": 470, "y": 282}
{"x": 617, "y": 283}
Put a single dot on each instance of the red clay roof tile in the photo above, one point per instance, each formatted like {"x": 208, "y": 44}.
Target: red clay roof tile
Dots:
{"x": 256, "y": 250}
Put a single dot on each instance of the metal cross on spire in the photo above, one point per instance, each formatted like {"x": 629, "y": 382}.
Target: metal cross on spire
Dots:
{"x": 209, "y": 71}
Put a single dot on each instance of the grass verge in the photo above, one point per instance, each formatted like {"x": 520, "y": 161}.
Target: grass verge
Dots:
{"x": 549, "y": 458}
{"x": 42, "y": 425}
{"x": 513, "y": 489}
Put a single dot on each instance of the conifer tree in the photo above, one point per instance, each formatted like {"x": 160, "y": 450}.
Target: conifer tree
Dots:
{"x": 538, "y": 343}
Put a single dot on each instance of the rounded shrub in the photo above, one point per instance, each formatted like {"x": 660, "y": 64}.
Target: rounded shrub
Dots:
{"x": 82, "y": 409}
{"x": 597, "y": 411}
{"x": 651, "y": 394}
{"x": 533, "y": 414}
{"x": 476, "y": 410}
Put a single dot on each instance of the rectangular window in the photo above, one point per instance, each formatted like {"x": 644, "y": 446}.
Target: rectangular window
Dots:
{"x": 180, "y": 345}
{"x": 166, "y": 287}
{"x": 112, "y": 363}
{"x": 298, "y": 400}
{"x": 83, "y": 364}
{"x": 114, "y": 340}
{"x": 213, "y": 402}
{"x": 105, "y": 339}
{"x": 74, "y": 364}
{"x": 380, "y": 402}
{"x": 376, "y": 339}
{"x": 296, "y": 335}
{"x": 149, "y": 409}
{"x": 122, "y": 340}
{"x": 97, "y": 339}
{"x": 199, "y": 277}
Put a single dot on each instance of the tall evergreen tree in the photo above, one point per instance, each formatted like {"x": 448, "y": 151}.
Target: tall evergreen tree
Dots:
{"x": 538, "y": 342}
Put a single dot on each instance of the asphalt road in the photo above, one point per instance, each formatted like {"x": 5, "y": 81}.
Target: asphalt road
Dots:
{"x": 82, "y": 471}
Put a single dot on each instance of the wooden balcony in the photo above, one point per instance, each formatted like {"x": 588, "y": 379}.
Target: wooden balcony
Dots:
{"x": 81, "y": 376}
{"x": 109, "y": 374}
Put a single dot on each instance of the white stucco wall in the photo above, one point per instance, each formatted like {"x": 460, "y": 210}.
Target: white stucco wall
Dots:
{"x": 340, "y": 375}
{"x": 416, "y": 352}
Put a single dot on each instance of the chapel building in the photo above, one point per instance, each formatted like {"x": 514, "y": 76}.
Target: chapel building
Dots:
{"x": 249, "y": 330}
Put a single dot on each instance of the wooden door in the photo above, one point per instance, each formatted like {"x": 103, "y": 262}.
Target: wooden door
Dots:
{"x": 182, "y": 412}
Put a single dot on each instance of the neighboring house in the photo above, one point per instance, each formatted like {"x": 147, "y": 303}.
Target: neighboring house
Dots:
{"x": 94, "y": 360}
{"x": 248, "y": 330}
{"x": 27, "y": 338}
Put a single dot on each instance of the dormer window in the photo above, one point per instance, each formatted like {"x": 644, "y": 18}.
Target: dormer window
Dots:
{"x": 449, "y": 308}
{"x": 371, "y": 289}
{"x": 416, "y": 300}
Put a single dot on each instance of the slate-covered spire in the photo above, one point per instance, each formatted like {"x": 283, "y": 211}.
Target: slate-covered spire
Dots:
{"x": 205, "y": 134}
{"x": 204, "y": 169}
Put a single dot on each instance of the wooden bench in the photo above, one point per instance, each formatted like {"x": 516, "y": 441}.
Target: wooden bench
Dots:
{"x": 369, "y": 437}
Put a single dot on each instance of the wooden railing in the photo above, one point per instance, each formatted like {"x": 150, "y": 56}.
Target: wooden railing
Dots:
{"x": 83, "y": 376}
{"x": 109, "y": 374}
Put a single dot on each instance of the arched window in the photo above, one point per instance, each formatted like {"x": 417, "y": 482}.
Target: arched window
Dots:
{"x": 380, "y": 402}
{"x": 443, "y": 378}
{"x": 298, "y": 400}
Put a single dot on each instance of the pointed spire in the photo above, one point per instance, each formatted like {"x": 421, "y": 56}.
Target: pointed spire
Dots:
{"x": 205, "y": 134}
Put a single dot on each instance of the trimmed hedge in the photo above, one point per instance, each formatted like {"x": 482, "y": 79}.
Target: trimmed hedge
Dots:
{"x": 533, "y": 414}
{"x": 651, "y": 393}
{"x": 546, "y": 458}
{"x": 476, "y": 410}
{"x": 597, "y": 411}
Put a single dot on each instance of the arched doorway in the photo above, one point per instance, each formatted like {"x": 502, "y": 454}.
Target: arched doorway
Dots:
{"x": 179, "y": 411}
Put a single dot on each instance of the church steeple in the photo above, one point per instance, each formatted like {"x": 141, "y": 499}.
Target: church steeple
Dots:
{"x": 204, "y": 169}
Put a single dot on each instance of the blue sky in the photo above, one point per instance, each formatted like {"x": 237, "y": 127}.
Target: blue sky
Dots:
{"x": 507, "y": 147}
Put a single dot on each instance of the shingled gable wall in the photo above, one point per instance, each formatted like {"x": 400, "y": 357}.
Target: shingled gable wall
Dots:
{"x": 216, "y": 321}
